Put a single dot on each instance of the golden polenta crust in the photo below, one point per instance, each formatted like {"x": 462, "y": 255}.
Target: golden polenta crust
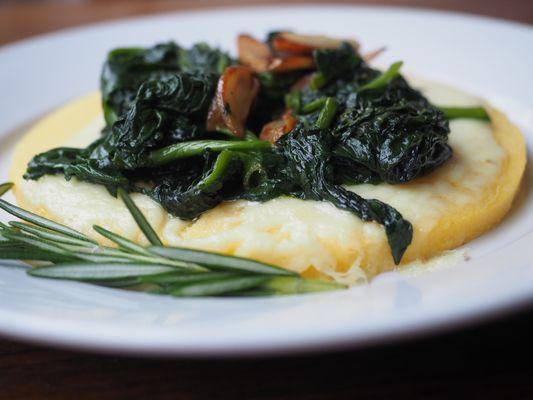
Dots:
{"x": 466, "y": 222}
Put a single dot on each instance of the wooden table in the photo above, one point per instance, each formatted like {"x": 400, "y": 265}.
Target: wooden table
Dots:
{"x": 23, "y": 18}
{"x": 493, "y": 360}
{"x": 489, "y": 362}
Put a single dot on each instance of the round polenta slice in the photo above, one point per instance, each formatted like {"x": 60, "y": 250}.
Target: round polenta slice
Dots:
{"x": 459, "y": 201}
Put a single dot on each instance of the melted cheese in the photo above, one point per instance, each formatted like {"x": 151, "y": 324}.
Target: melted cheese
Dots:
{"x": 452, "y": 205}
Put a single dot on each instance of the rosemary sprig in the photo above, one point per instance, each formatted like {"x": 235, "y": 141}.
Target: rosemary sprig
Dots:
{"x": 139, "y": 218}
{"x": 219, "y": 286}
{"x": 5, "y": 187}
{"x": 121, "y": 242}
{"x": 219, "y": 261}
{"x": 98, "y": 272}
{"x": 16, "y": 251}
{"x": 71, "y": 255}
{"x": 49, "y": 235}
{"x": 40, "y": 221}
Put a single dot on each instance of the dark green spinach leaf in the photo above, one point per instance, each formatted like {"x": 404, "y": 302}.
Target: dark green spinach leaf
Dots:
{"x": 355, "y": 125}
{"x": 126, "y": 69}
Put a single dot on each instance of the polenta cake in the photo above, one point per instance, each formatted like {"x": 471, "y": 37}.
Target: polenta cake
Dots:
{"x": 298, "y": 154}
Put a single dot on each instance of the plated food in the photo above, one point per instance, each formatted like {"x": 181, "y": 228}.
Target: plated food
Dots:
{"x": 298, "y": 155}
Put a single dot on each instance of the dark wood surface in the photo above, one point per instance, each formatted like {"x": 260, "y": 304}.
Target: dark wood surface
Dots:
{"x": 489, "y": 362}
{"x": 492, "y": 360}
{"x": 22, "y": 18}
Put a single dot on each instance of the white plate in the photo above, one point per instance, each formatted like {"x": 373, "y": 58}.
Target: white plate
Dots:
{"x": 490, "y": 58}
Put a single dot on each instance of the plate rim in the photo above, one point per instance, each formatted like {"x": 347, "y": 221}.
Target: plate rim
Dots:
{"x": 410, "y": 331}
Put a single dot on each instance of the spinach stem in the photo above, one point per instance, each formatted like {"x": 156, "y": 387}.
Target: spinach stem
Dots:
{"x": 314, "y": 105}
{"x": 383, "y": 79}
{"x": 222, "y": 163}
{"x": 465, "y": 112}
{"x": 182, "y": 150}
{"x": 327, "y": 113}
{"x": 249, "y": 135}
{"x": 293, "y": 100}
{"x": 318, "y": 80}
